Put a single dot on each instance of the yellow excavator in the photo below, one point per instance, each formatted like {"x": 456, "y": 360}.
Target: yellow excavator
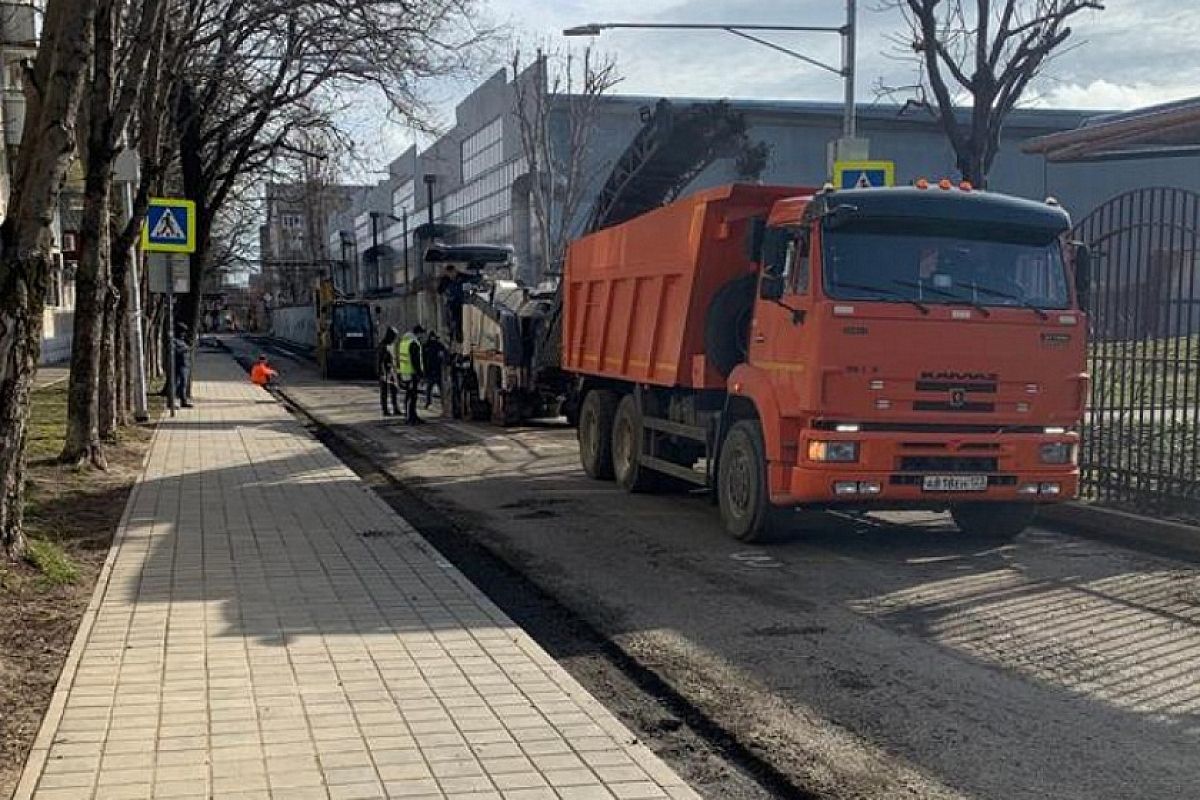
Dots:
{"x": 345, "y": 334}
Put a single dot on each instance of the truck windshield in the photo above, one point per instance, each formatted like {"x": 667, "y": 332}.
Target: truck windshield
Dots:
{"x": 894, "y": 262}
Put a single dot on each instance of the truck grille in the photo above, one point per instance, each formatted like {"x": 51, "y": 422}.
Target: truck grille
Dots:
{"x": 943, "y": 464}
{"x": 942, "y": 405}
{"x": 947, "y": 386}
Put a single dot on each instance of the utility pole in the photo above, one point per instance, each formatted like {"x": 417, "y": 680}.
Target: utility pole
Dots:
{"x": 430, "y": 180}
{"x": 404, "y": 222}
{"x": 849, "y": 37}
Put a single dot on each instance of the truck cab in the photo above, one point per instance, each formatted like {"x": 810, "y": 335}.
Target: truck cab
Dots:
{"x": 918, "y": 347}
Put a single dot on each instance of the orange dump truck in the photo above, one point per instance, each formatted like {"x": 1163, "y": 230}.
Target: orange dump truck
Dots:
{"x": 917, "y": 347}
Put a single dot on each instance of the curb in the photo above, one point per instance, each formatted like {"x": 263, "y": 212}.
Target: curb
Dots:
{"x": 1122, "y": 528}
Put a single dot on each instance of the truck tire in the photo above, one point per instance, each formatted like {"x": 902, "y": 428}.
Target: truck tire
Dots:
{"x": 627, "y": 449}
{"x": 742, "y": 492}
{"x": 727, "y": 328}
{"x": 999, "y": 522}
{"x": 595, "y": 433}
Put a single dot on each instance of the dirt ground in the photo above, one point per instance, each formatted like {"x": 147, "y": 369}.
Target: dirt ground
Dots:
{"x": 71, "y": 516}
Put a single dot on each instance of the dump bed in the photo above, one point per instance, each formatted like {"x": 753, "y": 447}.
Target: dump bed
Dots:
{"x": 637, "y": 294}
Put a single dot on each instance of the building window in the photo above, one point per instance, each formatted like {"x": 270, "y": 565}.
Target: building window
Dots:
{"x": 404, "y": 199}
{"x": 14, "y": 75}
{"x": 483, "y": 150}
{"x": 291, "y": 221}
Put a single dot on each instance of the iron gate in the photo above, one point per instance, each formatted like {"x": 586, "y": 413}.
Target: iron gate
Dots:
{"x": 1139, "y": 441}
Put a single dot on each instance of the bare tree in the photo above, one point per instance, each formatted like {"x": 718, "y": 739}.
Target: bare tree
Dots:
{"x": 982, "y": 54}
{"x": 262, "y": 76}
{"x": 560, "y": 170}
{"x": 53, "y": 88}
{"x": 125, "y": 33}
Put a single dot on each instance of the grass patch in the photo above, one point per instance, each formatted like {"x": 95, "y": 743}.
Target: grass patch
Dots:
{"x": 1155, "y": 373}
{"x": 47, "y": 423}
{"x": 57, "y": 568}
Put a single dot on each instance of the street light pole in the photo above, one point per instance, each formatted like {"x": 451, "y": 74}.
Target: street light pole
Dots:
{"x": 849, "y": 36}
{"x": 847, "y": 32}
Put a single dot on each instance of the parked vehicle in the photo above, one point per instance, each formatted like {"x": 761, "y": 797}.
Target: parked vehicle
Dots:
{"x": 901, "y": 348}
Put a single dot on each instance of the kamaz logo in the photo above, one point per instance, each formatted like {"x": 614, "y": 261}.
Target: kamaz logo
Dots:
{"x": 960, "y": 376}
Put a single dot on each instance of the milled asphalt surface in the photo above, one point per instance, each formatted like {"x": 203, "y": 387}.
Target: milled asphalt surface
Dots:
{"x": 864, "y": 658}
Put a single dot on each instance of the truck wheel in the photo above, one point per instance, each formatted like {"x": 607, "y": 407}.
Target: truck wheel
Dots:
{"x": 995, "y": 521}
{"x": 727, "y": 328}
{"x": 595, "y": 433}
{"x": 742, "y": 492}
{"x": 627, "y": 449}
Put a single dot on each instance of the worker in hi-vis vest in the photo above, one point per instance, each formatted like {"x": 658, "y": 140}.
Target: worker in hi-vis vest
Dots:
{"x": 408, "y": 368}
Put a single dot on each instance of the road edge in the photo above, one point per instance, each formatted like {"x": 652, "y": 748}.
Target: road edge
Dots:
{"x": 1123, "y": 528}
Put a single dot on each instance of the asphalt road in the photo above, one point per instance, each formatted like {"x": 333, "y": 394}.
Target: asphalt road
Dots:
{"x": 865, "y": 658}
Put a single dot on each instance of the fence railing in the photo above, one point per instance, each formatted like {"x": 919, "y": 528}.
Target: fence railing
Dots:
{"x": 1140, "y": 438}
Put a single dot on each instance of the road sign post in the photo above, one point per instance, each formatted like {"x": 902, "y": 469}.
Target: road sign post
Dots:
{"x": 169, "y": 235}
{"x": 863, "y": 174}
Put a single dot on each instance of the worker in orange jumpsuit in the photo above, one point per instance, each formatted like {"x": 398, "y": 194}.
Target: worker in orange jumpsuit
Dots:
{"x": 262, "y": 374}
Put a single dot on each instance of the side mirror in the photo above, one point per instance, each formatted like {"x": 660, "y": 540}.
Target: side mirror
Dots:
{"x": 771, "y": 286}
{"x": 754, "y": 239}
{"x": 1083, "y": 275}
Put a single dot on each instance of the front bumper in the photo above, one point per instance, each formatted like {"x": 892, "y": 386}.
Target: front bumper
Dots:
{"x": 898, "y": 464}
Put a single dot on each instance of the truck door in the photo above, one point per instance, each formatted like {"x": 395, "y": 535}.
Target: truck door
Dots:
{"x": 778, "y": 341}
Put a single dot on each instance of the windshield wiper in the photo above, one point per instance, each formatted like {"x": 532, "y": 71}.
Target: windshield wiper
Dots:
{"x": 980, "y": 307}
{"x": 862, "y": 287}
{"x": 1024, "y": 303}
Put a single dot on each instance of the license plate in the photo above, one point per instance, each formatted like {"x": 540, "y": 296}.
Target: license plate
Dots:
{"x": 955, "y": 483}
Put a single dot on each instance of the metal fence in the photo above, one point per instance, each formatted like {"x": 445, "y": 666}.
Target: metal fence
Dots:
{"x": 1139, "y": 444}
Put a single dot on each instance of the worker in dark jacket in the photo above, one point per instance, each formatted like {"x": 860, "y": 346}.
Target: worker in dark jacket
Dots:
{"x": 450, "y": 287}
{"x": 181, "y": 351}
{"x": 434, "y": 355}
{"x": 409, "y": 366}
{"x": 389, "y": 382}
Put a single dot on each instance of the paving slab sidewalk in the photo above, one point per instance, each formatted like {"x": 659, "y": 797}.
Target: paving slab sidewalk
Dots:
{"x": 266, "y": 627}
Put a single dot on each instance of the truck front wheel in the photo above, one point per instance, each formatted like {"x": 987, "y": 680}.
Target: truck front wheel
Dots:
{"x": 595, "y": 433}
{"x": 995, "y": 521}
{"x": 742, "y": 492}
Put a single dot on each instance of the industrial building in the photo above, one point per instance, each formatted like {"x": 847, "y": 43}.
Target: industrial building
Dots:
{"x": 475, "y": 176}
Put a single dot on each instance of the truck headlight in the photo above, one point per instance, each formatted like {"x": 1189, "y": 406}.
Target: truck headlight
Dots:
{"x": 839, "y": 452}
{"x": 1058, "y": 453}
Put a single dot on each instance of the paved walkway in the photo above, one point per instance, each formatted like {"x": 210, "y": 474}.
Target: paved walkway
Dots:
{"x": 50, "y": 375}
{"x": 266, "y": 627}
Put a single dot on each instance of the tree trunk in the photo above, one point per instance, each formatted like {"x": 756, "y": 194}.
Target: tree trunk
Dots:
{"x": 83, "y": 394}
{"x": 21, "y": 302}
{"x": 109, "y": 393}
{"x": 119, "y": 325}
{"x": 53, "y": 94}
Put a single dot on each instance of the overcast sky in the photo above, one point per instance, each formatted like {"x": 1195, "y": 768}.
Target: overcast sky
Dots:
{"x": 1136, "y": 52}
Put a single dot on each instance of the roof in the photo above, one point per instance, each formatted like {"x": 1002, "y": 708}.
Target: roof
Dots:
{"x": 965, "y": 208}
{"x": 1170, "y": 129}
{"x": 1047, "y": 119}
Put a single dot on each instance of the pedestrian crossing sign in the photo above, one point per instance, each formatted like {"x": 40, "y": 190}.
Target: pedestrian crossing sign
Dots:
{"x": 170, "y": 226}
{"x": 863, "y": 174}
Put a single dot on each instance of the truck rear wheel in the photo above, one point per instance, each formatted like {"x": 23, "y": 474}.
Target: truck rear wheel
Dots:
{"x": 995, "y": 521}
{"x": 595, "y": 433}
{"x": 742, "y": 491}
{"x": 627, "y": 448}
